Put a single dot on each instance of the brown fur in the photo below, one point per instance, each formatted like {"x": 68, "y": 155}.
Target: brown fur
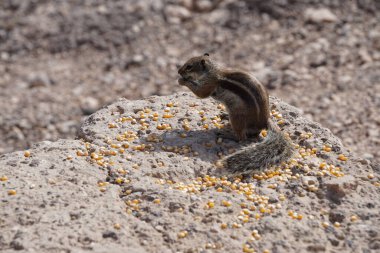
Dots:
{"x": 247, "y": 103}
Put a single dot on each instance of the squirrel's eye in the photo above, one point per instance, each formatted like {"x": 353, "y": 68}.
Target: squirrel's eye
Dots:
{"x": 189, "y": 67}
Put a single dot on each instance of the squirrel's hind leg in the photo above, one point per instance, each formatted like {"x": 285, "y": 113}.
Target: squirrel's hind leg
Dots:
{"x": 238, "y": 124}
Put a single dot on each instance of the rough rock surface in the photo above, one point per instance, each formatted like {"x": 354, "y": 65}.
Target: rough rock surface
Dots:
{"x": 140, "y": 179}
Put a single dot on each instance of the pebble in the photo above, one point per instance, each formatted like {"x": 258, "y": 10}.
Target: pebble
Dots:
{"x": 320, "y": 15}
{"x": 39, "y": 80}
{"x": 176, "y": 14}
{"x": 89, "y": 105}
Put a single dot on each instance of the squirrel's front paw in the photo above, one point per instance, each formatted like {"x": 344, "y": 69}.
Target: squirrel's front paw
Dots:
{"x": 181, "y": 81}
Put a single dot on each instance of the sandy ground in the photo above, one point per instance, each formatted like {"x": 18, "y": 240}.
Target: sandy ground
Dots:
{"x": 63, "y": 60}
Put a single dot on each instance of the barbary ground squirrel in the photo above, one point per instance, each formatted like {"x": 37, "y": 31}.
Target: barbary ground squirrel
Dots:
{"x": 247, "y": 103}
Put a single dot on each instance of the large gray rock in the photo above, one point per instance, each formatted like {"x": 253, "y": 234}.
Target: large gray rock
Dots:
{"x": 159, "y": 198}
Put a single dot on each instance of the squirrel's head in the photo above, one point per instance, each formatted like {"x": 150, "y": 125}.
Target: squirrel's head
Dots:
{"x": 196, "y": 68}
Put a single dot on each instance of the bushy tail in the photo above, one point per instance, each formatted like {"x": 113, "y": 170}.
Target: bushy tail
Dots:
{"x": 275, "y": 149}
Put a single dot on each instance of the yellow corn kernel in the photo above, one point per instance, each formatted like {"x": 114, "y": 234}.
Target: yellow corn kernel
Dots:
{"x": 226, "y": 203}
{"x": 354, "y": 218}
{"x": 336, "y": 224}
{"x": 326, "y": 148}
{"x": 157, "y": 201}
{"x": 210, "y": 204}
{"x": 12, "y": 192}
{"x": 27, "y": 153}
{"x": 117, "y": 226}
{"x": 3, "y": 178}
{"x": 182, "y": 234}
{"x": 186, "y": 127}
{"x": 223, "y": 226}
{"x": 167, "y": 116}
{"x": 161, "y": 127}
{"x": 248, "y": 249}
{"x": 370, "y": 176}
{"x": 221, "y": 107}
{"x": 101, "y": 184}
{"x": 119, "y": 180}
{"x": 325, "y": 224}
{"x": 342, "y": 157}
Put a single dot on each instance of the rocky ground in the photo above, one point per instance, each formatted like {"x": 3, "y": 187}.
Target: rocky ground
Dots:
{"x": 62, "y": 60}
{"x": 142, "y": 179}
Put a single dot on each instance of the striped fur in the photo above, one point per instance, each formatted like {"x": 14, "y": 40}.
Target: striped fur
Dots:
{"x": 275, "y": 149}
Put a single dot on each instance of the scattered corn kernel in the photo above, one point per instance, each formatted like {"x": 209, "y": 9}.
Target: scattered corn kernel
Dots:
{"x": 12, "y": 192}
{"x": 182, "y": 234}
{"x": 27, "y": 153}
{"x": 354, "y": 218}
{"x": 370, "y": 176}
{"x": 3, "y": 178}
{"x": 226, "y": 203}
{"x": 342, "y": 157}
{"x": 248, "y": 249}
{"x": 325, "y": 224}
{"x": 112, "y": 125}
{"x": 336, "y": 224}
{"x": 117, "y": 226}
{"x": 167, "y": 116}
{"x": 210, "y": 204}
{"x": 157, "y": 201}
{"x": 119, "y": 180}
{"x": 326, "y": 148}
{"x": 223, "y": 226}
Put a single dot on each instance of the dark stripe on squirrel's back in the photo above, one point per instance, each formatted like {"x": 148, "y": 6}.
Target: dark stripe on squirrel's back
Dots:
{"x": 249, "y": 84}
{"x": 239, "y": 91}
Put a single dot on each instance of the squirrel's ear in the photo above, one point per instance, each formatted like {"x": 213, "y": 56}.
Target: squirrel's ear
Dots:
{"x": 206, "y": 54}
